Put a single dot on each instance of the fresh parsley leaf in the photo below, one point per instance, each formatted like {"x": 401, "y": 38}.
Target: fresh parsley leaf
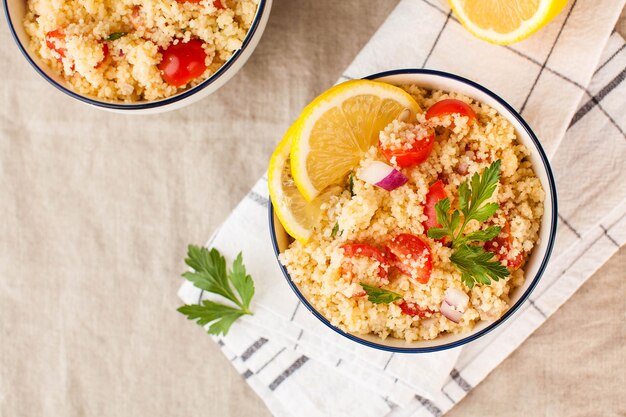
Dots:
{"x": 483, "y": 213}
{"x": 464, "y": 196}
{"x": 222, "y": 316}
{"x": 442, "y": 208}
{"x": 351, "y": 185}
{"x": 480, "y": 235}
{"x": 437, "y": 233}
{"x": 222, "y": 326}
{"x": 380, "y": 296}
{"x": 335, "y": 230}
{"x": 454, "y": 221}
{"x": 210, "y": 274}
{"x": 115, "y": 36}
{"x": 242, "y": 281}
{"x": 478, "y": 265}
{"x": 482, "y": 188}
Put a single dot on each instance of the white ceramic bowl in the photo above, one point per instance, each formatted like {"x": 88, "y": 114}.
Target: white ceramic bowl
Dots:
{"x": 15, "y": 11}
{"x": 540, "y": 255}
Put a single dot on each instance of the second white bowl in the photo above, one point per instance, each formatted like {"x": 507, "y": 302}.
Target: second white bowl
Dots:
{"x": 15, "y": 11}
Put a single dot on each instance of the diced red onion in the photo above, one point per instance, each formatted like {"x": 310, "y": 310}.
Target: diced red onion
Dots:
{"x": 462, "y": 168}
{"x": 456, "y": 298}
{"x": 449, "y": 312}
{"x": 382, "y": 175}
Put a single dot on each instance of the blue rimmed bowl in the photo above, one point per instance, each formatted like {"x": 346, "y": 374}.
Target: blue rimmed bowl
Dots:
{"x": 539, "y": 257}
{"x": 15, "y": 11}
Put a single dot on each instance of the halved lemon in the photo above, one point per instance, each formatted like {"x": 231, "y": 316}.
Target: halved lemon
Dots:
{"x": 338, "y": 127}
{"x": 297, "y": 215}
{"x": 505, "y": 21}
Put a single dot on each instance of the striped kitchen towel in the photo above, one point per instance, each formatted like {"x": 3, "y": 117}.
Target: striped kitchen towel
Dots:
{"x": 567, "y": 81}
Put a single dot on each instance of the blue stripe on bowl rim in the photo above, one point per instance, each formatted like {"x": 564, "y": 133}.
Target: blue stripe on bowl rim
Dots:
{"x": 529, "y": 290}
{"x": 143, "y": 105}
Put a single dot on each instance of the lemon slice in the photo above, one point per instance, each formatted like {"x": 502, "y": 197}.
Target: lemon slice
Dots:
{"x": 297, "y": 216}
{"x": 338, "y": 127}
{"x": 505, "y": 21}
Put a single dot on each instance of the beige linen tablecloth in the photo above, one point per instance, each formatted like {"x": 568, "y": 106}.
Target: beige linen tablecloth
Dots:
{"x": 96, "y": 210}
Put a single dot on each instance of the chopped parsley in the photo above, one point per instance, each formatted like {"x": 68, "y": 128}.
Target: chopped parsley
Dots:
{"x": 380, "y": 296}
{"x": 115, "y": 36}
{"x": 351, "y": 185}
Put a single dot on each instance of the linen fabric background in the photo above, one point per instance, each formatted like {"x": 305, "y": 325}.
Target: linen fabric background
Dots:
{"x": 97, "y": 210}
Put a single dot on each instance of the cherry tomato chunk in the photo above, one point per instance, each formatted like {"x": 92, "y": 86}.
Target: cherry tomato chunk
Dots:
{"x": 411, "y": 255}
{"x": 105, "y": 52}
{"x": 436, "y": 193}
{"x": 412, "y": 309}
{"x": 417, "y": 153}
{"x": 501, "y": 246}
{"x": 362, "y": 249}
{"x": 451, "y": 106}
{"x": 183, "y": 62}
{"x": 55, "y": 40}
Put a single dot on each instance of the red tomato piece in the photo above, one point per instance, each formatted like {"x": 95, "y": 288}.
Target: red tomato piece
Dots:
{"x": 413, "y": 309}
{"x": 55, "y": 40}
{"x": 436, "y": 193}
{"x": 415, "y": 155}
{"x": 451, "y": 106}
{"x": 183, "y": 62}
{"x": 363, "y": 249}
{"x": 501, "y": 247}
{"x": 217, "y": 3}
{"x": 105, "y": 52}
{"x": 411, "y": 255}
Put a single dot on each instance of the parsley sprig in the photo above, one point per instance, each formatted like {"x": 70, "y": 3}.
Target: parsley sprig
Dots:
{"x": 380, "y": 296}
{"x": 210, "y": 274}
{"x": 475, "y": 263}
{"x": 115, "y": 36}
{"x": 351, "y": 185}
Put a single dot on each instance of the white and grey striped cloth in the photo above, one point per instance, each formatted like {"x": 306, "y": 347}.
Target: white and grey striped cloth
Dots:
{"x": 567, "y": 81}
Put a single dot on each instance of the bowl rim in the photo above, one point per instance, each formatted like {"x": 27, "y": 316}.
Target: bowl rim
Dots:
{"x": 142, "y": 105}
{"x": 529, "y": 290}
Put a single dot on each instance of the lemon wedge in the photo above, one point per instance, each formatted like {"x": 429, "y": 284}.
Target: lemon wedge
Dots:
{"x": 338, "y": 127}
{"x": 505, "y": 21}
{"x": 297, "y": 215}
